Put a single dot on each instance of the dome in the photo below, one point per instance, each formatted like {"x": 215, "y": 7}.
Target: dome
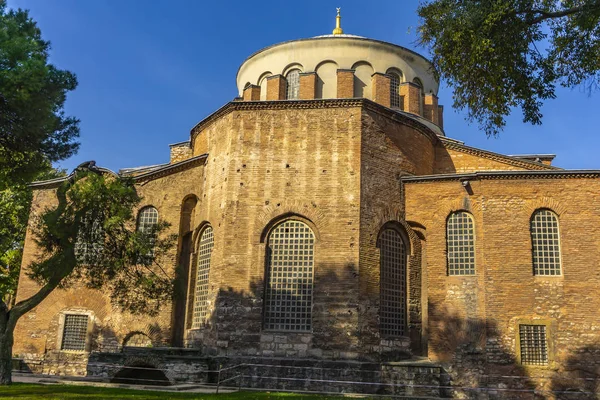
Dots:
{"x": 326, "y": 54}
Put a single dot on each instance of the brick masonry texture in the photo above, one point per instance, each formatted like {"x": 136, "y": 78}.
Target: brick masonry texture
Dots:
{"x": 338, "y": 166}
{"x": 381, "y": 89}
{"x": 308, "y": 85}
{"x": 345, "y": 83}
{"x": 411, "y": 94}
{"x": 276, "y": 86}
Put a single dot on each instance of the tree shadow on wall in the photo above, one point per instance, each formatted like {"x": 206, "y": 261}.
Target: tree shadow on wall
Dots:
{"x": 239, "y": 319}
{"x": 579, "y": 378}
{"x": 477, "y": 364}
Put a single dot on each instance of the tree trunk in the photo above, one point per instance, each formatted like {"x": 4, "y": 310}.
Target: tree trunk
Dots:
{"x": 6, "y": 343}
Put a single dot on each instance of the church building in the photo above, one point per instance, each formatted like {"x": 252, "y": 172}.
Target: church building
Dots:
{"x": 325, "y": 215}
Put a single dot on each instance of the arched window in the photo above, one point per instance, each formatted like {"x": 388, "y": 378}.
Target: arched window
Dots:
{"x": 289, "y": 287}
{"x": 395, "y": 79}
{"x": 146, "y": 223}
{"x": 392, "y": 264}
{"x": 147, "y": 219}
{"x": 460, "y": 243}
{"x": 545, "y": 243}
{"x": 205, "y": 248}
{"x": 293, "y": 84}
{"x": 89, "y": 244}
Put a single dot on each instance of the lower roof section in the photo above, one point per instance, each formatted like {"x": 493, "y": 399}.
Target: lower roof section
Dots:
{"x": 553, "y": 174}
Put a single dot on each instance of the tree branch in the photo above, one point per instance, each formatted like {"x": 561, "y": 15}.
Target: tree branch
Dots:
{"x": 543, "y": 15}
{"x": 24, "y": 306}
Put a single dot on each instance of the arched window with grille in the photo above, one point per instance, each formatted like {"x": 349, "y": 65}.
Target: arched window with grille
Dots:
{"x": 392, "y": 291}
{"x": 395, "y": 80}
{"x": 147, "y": 219}
{"x": 289, "y": 283}
{"x": 460, "y": 243}
{"x": 205, "y": 248}
{"x": 293, "y": 84}
{"x": 545, "y": 243}
{"x": 146, "y": 223}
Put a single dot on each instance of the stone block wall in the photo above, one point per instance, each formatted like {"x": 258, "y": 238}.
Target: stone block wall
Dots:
{"x": 180, "y": 152}
{"x": 266, "y": 164}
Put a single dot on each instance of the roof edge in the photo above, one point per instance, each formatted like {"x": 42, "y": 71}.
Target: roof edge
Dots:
{"x": 421, "y": 124}
{"x": 511, "y": 160}
{"x": 575, "y": 173}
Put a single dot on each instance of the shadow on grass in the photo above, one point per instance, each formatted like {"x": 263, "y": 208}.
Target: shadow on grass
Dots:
{"x": 36, "y": 392}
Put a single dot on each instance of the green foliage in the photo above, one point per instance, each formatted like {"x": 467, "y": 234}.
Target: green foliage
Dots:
{"x": 14, "y": 213}
{"x": 62, "y": 392}
{"x": 34, "y": 129}
{"x": 90, "y": 238}
{"x": 502, "y": 54}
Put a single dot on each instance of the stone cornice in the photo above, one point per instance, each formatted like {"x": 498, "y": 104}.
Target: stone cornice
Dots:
{"x": 505, "y": 175}
{"x": 143, "y": 177}
{"x": 171, "y": 169}
{"x": 56, "y": 182}
{"x": 529, "y": 165}
{"x": 314, "y": 104}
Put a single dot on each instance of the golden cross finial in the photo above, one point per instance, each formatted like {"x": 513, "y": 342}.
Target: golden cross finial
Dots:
{"x": 338, "y": 22}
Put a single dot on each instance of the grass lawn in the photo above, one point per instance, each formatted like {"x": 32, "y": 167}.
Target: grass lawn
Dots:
{"x": 36, "y": 392}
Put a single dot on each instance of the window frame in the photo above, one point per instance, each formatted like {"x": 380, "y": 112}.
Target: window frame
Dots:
{"x": 449, "y": 270}
{"x": 395, "y": 227}
{"x": 295, "y": 90}
{"x": 272, "y": 227}
{"x": 549, "y": 327}
{"x": 197, "y": 319}
{"x": 535, "y": 269}
{"x": 391, "y": 73}
{"x": 61, "y": 330}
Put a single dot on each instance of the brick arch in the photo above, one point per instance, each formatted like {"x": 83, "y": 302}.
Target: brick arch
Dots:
{"x": 394, "y": 215}
{"x": 286, "y": 217}
{"x": 277, "y": 211}
{"x": 196, "y": 235}
{"x": 132, "y": 334}
{"x": 549, "y": 203}
{"x": 463, "y": 204}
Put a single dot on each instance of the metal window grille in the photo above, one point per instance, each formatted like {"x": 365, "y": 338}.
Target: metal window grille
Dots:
{"x": 74, "y": 332}
{"x": 460, "y": 241}
{"x": 205, "y": 249}
{"x": 293, "y": 84}
{"x": 545, "y": 242}
{"x": 289, "y": 289}
{"x": 138, "y": 340}
{"x": 147, "y": 219}
{"x": 534, "y": 345}
{"x": 90, "y": 239}
{"x": 392, "y": 312}
{"x": 394, "y": 90}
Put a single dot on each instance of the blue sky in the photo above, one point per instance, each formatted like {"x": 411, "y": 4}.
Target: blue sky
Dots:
{"x": 150, "y": 70}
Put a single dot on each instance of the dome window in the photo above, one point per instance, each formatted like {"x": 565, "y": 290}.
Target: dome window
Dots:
{"x": 293, "y": 84}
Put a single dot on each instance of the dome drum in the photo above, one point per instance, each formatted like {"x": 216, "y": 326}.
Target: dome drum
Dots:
{"x": 342, "y": 66}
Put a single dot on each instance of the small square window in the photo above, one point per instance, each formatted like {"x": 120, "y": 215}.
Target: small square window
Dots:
{"x": 74, "y": 332}
{"x": 534, "y": 344}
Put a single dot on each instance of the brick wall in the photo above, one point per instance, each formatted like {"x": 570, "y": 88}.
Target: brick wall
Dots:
{"x": 37, "y": 333}
{"x": 276, "y": 87}
{"x": 381, "y": 89}
{"x": 308, "y": 85}
{"x": 345, "y": 83}
{"x": 473, "y": 320}
{"x": 180, "y": 152}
